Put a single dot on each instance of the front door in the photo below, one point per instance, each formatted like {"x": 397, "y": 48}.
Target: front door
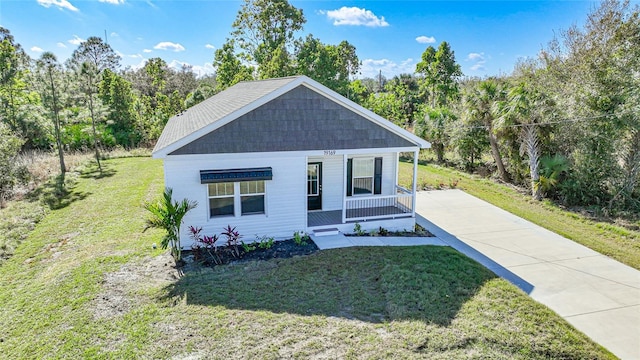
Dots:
{"x": 314, "y": 186}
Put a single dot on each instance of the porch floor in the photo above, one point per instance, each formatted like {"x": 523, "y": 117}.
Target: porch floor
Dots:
{"x": 322, "y": 218}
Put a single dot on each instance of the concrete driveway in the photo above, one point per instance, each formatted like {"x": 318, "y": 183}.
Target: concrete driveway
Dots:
{"x": 597, "y": 295}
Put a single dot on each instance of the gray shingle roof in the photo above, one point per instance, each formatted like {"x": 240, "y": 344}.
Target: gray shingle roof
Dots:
{"x": 265, "y": 115}
{"x": 216, "y": 108}
{"x": 299, "y": 120}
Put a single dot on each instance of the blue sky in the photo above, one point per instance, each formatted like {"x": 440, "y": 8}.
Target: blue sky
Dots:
{"x": 487, "y": 36}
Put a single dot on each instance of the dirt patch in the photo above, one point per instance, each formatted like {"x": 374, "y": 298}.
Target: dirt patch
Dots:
{"x": 118, "y": 288}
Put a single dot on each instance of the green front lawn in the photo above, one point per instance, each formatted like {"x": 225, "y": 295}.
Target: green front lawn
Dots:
{"x": 86, "y": 283}
{"x": 614, "y": 241}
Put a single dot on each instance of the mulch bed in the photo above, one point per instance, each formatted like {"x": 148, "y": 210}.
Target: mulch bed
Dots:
{"x": 226, "y": 255}
{"x": 419, "y": 232}
{"x": 279, "y": 250}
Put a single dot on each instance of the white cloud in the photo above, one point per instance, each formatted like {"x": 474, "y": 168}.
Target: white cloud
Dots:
{"x": 146, "y": 50}
{"x": 36, "y": 49}
{"x": 479, "y": 59}
{"x": 114, "y": 2}
{"x": 199, "y": 70}
{"x": 426, "y": 39}
{"x": 355, "y": 16}
{"x": 114, "y": 34}
{"x": 209, "y": 46}
{"x": 371, "y": 67}
{"x": 62, "y": 4}
{"x": 61, "y": 45}
{"x": 475, "y": 56}
{"x": 76, "y": 40}
{"x": 168, "y": 45}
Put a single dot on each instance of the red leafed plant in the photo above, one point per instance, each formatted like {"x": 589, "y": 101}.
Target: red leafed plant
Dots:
{"x": 233, "y": 237}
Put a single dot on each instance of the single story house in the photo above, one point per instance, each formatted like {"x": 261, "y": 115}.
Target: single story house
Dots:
{"x": 276, "y": 156}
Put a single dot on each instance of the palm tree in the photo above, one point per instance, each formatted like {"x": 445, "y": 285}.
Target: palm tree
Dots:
{"x": 168, "y": 214}
{"x": 527, "y": 108}
{"x": 482, "y": 104}
{"x": 551, "y": 170}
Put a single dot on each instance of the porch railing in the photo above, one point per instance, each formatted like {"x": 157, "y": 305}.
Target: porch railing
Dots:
{"x": 359, "y": 208}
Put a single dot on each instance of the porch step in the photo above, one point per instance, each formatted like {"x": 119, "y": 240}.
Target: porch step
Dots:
{"x": 326, "y": 232}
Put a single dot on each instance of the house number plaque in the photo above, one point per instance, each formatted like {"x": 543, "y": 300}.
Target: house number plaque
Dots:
{"x": 329, "y": 152}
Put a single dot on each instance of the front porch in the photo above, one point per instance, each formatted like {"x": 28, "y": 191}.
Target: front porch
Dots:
{"x": 361, "y": 209}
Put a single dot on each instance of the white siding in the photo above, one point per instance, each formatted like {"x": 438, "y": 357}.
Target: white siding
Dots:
{"x": 285, "y": 195}
{"x": 332, "y": 181}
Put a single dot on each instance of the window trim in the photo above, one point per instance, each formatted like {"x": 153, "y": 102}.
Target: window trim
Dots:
{"x": 237, "y": 201}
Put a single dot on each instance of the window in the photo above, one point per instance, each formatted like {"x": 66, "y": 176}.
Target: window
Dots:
{"x": 362, "y": 176}
{"x": 221, "y": 199}
{"x": 225, "y": 197}
{"x": 252, "y": 197}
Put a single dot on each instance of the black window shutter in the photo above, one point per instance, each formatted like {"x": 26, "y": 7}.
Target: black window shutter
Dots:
{"x": 377, "y": 176}
{"x": 349, "y": 177}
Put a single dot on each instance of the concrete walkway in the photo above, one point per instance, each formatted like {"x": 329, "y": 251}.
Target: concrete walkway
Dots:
{"x": 341, "y": 241}
{"x": 597, "y": 295}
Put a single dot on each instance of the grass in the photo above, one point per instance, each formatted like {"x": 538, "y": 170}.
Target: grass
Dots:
{"x": 86, "y": 283}
{"x": 615, "y": 241}
{"x": 42, "y": 191}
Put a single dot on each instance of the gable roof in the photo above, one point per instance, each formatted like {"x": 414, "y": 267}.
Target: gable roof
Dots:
{"x": 242, "y": 98}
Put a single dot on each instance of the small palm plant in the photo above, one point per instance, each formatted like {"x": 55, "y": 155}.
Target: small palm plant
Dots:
{"x": 168, "y": 214}
{"x": 552, "y": 168}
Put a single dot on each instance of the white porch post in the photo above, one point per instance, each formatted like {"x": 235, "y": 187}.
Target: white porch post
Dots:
{"x": 415, "y": 180}
{"x": 344, "y": 188}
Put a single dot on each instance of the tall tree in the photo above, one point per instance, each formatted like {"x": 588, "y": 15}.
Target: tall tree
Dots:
{"x": 89, "y": 86}
{"x": 264, "y": 30}
{"x": 435, "y": 126}
{"x": 50, "y": 73}
{"x": 594, "y": 69}
{"x": 96, "y": 52}
{"x": 229, "y": 68}
{"x": 480, "y": 103}
{"x": 89, "y": 61}
{"x": 331, "y": 65}
{"x": 17, "y": 102}
{"x": 440, "y": 73}
{"x": 117, "y": 93}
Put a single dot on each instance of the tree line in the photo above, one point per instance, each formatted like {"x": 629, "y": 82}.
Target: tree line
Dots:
{"x": 564, "y": 125}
